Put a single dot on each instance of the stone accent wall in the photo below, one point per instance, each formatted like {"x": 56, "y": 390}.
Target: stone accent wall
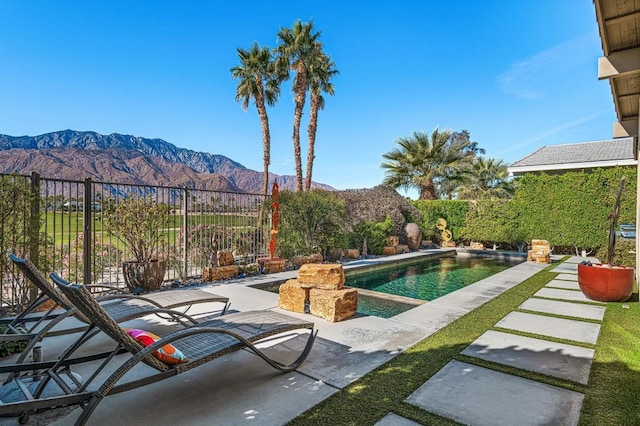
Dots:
{"x": 322, "y": 287}
{"x": 225, "y": 258}
{"x": 219, "y": 273}
{"x": 327, "y": 276}
{"x": 292, "y": 296}
{"x": 351, "y": 253}
{"x": 334, "y": 305}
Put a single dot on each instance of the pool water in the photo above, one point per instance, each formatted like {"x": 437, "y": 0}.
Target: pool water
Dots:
{"x": 423, "y": 280}
{"x": 430, "y": 279}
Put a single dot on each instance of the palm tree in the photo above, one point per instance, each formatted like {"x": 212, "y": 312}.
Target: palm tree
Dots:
{"x": 488, "y": 179}
{"x": 258, "y": 80}
{"x": 426, "y": 163}
{"x": 319, "y": 76}
{"x": 298, "y": 48}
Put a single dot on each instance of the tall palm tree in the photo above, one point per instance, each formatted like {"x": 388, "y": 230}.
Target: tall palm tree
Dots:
{"x": 425, "y": 163}
{"x": 258, "y": 80}
{"x": 319, "y": 76}
{"x": 489, "y": 179}
{"x": 298, "y": 48}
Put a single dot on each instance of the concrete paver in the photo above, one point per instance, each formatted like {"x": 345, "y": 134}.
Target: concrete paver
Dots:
{"x": 577, "y": 331}
{"x": 567, "y": 277}
{"x": 561, "y": 294}
{"x": 395, "y": 420}
{"x": 566, "y": 268}
{"x": 479, "y": 396}
{"x": 541, "y": 356}
{"x": 567, "y": 285}
{"x": 569, "y": 309}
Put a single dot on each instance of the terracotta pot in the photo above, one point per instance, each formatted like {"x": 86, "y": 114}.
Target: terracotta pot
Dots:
{"x": 148, "y": 275}
{"x": 605, "y": 283}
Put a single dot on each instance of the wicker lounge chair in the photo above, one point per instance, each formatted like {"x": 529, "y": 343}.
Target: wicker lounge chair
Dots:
{"x": 121, "y": 307}
{"x": 200, "y": 344}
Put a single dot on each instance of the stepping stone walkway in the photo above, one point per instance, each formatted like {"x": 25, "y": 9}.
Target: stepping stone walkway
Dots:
{"x": 477, "y": 395}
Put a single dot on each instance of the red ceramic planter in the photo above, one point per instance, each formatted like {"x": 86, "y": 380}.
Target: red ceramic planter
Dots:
{"x": 605, "y": 283}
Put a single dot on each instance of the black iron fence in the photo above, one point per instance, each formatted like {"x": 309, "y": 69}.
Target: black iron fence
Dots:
{"x": 61, "y": 226}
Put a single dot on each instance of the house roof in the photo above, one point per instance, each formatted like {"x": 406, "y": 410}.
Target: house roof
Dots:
{"x": 584, "y": 155}
{"x": 619, "y": 26}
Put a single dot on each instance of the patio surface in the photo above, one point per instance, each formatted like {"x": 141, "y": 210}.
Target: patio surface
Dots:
{"x": 240, "y": 388}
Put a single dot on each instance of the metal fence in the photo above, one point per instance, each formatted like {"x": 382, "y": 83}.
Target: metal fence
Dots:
{"x": 63, "y": 229}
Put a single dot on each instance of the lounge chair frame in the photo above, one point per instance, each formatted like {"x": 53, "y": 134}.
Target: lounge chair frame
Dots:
{"x": 200, "y": 343}
{"x": 121, "y": 307}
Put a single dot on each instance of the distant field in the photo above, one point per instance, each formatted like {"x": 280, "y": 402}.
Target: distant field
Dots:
{"x": 61, "y": 226}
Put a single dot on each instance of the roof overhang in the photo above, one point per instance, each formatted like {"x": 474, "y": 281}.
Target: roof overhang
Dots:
{"x": 619, "y": 26}
{"x": 552, "y": 168}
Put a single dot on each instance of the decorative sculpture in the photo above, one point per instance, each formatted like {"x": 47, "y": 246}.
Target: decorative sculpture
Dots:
{"x": 275, "y": 218}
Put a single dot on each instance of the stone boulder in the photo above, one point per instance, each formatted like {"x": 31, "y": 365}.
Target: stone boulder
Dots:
{"x": 328, "y": 276}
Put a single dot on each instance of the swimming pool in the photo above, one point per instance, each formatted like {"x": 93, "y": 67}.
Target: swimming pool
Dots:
{"x": 386, "y": 291}
{"x": 429, "y": 279}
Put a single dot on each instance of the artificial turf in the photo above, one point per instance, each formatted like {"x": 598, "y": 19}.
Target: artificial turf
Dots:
{"x": 611, "y": 397}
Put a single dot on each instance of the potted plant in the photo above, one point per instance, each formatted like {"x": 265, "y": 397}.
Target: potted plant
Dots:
{"x": 606, "y": 282}
{"x": 138, "y": 222}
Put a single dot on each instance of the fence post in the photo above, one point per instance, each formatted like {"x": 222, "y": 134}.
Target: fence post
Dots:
{"x": 34, "y": 228}
{"x": 86, "y": 237}
{"x": 185, "y": 226}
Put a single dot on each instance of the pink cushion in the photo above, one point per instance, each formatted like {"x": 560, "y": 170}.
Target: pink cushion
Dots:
{"x": 168, "y": 354}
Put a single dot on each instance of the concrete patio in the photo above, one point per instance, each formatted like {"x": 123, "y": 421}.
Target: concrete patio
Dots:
{"x": 240, "y": 388}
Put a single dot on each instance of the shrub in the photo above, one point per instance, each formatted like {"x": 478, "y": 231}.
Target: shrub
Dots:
{"x": 623, "y": 254}
{"x": 453, "y": 211}
{"x": 375, "y": 233}
{"x": 375, "y": 204}
{"x": 310, "y": 222}
{"x": 139, "y": 223}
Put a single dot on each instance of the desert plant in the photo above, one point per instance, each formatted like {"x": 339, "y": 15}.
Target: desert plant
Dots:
{"x": 137, "y": 222}
{"x": 310, "y": 222}
{"x": 375, "y": 233}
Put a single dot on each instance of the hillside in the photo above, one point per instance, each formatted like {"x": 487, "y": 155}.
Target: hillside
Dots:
{"x": 121, "y": 158}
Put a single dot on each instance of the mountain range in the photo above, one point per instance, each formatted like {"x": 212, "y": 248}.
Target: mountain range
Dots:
{"x": 76, "y": 155}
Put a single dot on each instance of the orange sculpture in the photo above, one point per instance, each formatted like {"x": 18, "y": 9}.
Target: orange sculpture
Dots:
{"x": 275, "y": 218}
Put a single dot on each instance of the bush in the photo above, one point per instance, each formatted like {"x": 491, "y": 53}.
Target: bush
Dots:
{"x": 375, "y": 204}
{"x": 375, "y": 233}
{"x": 624, "y": 253}
{"x": 453, "y": 211}
{"x": 310, "y": 222}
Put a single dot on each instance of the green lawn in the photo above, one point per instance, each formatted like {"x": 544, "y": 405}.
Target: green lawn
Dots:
{"x": 63, "y": 226}
{"x": 610, "y": 398}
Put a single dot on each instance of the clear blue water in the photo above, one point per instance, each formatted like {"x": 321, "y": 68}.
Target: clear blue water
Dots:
{"x": 424, "y": 280}
{"x": 430, "y": 279}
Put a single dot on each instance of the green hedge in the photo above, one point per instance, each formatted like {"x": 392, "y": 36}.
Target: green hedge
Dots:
{"x": 453, "y": 211}
{"x": 570, "y": 210}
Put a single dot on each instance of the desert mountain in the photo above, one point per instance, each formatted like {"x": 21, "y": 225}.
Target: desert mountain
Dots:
{"x": 121, "y": 158}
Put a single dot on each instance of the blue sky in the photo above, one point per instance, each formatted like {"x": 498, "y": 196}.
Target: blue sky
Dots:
{"x": 517, "y": 74}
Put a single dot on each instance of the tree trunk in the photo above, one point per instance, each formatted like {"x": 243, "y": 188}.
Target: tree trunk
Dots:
{"x": 300, "y": 95}
{"x": 428, "y": 191}
{"x": 266, "y": 149}
{"x": 313, "y": 126}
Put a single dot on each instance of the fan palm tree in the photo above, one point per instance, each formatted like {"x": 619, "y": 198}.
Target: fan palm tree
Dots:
{"x": 297, "y": 50}
{"x": 258, "y": 80}
{"x": 488, "y": 179}
{"x": 320, "y": 72}
{"x": 425, "y": 163}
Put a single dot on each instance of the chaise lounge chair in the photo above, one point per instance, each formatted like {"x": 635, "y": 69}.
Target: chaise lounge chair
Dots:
{"x": 199, "y": 344}
{"x": 120, "y": 307}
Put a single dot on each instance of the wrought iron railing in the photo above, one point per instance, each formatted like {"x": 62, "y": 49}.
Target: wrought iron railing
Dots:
{"x": 64, "y": 229}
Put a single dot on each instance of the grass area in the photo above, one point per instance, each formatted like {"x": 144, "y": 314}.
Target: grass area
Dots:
{"x": 610, "y": 398}
{"x": 63, "y": 226}
{"x": 613, "y": 395}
